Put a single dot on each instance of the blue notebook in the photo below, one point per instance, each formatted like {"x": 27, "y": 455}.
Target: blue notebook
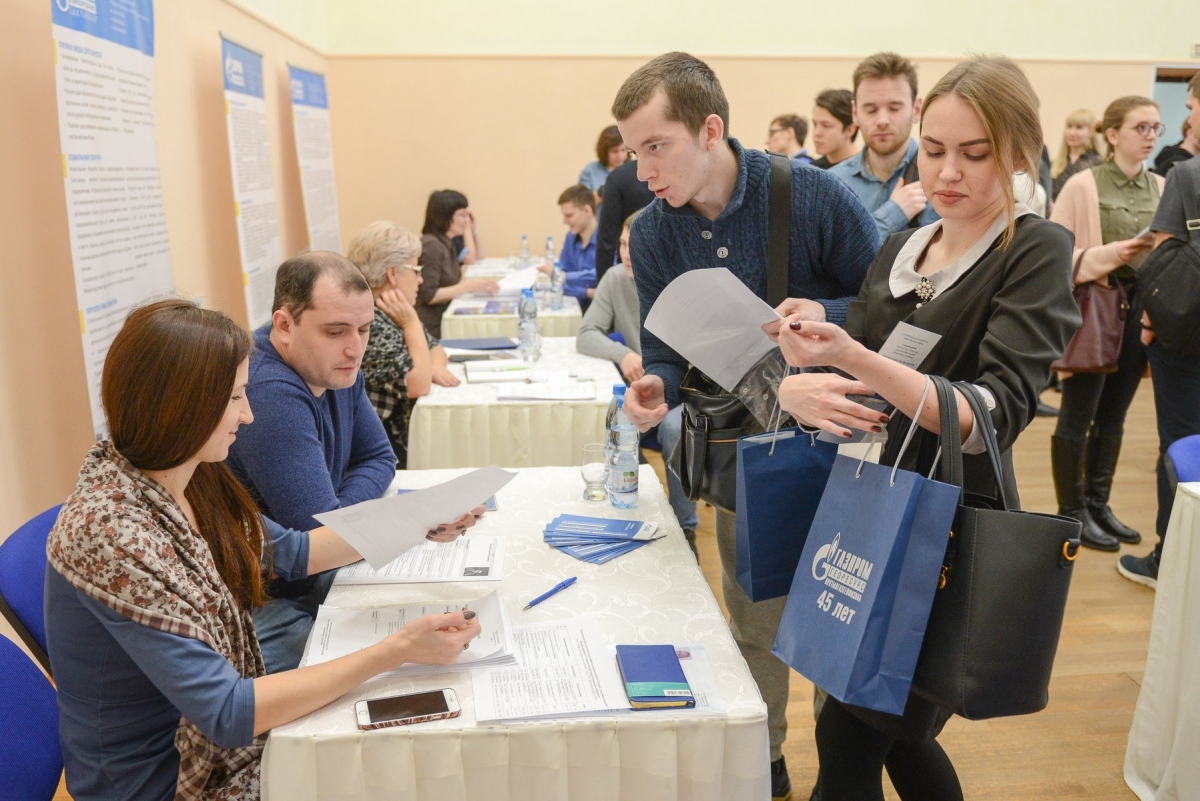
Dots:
{"x": 653, "y": 677}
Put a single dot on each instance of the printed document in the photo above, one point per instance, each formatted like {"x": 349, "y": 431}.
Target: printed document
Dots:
{"x": 551, "y": 390}
{"x": 909, "y": 345}
{"x": 477, "y": 558}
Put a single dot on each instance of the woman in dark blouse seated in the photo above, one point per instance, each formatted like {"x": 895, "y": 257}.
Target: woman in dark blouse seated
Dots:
{"x": 446, "y": 217}
{"x": 995, "y": 283}
{"x": 155, "y": 565}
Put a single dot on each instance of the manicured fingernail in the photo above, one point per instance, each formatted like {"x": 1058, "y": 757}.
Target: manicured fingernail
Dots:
{"x": 460, "y": 528}
{"x": 441, "y": 528}
{"x": 876, "y": 429}
{"x": 430, "y": 535}
{"x": 469, "y": 614}
{"x": 796, "y": 325}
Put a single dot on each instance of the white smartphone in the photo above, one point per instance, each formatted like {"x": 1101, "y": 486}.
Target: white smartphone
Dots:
{"x": 402, "y": 710}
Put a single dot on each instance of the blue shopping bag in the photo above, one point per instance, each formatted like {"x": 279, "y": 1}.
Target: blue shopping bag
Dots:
{"x": 858, "y": 605}
{"x": 780, "y": 479}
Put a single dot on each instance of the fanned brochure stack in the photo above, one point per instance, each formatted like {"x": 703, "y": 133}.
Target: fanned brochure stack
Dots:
{"x": 598, "y": 539}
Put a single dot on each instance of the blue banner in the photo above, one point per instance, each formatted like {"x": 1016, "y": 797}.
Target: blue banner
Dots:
{"x": 308, "y": 88}
{"x": 124, "y": 22}
{"x": 243, "y": 69}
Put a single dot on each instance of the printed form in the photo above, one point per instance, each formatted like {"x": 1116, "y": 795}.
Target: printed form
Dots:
{"x": 477, "y": 558}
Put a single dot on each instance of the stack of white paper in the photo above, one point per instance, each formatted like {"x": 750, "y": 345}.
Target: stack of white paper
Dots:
{"x": 339, "y": 632}
{"x": 497, "y": 371}
{"x": 551, "y": 390}
{"x": 476, "y": 558}
{"x": 512, "y": 284}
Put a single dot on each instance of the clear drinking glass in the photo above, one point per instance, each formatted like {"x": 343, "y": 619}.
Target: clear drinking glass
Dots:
{"x": 594, "y": 471}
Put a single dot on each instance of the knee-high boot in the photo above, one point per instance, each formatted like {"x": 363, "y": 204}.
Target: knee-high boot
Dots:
{"x": 1067, "y": 460}
{"x": 1103, "y": 449}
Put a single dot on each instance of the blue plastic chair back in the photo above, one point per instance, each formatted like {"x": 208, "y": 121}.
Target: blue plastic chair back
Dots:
{"x": 23, "y": 581}
{"x": 31, "y": 761}
{"x": 1185, "y": 458}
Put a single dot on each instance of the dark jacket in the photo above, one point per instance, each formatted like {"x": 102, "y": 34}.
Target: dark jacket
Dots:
{"x": 623, "y": 195}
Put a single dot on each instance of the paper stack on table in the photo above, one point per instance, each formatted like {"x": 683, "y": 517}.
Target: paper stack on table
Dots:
{"x": 551, "y": 390}
{"x": 598, "y": 539}
{"x": 338, "y": 632}
{"x": 476, "y": 558}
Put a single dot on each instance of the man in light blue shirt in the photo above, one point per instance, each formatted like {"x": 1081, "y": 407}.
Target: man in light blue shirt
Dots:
{"x": 884, "y": 174}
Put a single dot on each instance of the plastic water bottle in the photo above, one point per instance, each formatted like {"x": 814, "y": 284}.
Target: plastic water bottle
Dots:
{"x": 527, "y": 330}
{"x": 623, "y": 472}
{"x": 523, "y": 253}
{"x": 610, "y": 433}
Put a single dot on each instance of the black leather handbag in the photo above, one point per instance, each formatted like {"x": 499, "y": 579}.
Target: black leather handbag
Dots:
{"x": 997, "y": 614}
{"x": 705, "y": 460}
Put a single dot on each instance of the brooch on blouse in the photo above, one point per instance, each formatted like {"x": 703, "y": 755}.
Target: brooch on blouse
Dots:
{"x": 925, "y": 290}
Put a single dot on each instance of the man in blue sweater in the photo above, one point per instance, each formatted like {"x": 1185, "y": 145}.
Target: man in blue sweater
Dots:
{"x": 711, "y": 210}
{"x": 316, "y": 443}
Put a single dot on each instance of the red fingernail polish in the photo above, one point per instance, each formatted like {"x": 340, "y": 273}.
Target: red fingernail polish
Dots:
{"x": 796, "y": 325}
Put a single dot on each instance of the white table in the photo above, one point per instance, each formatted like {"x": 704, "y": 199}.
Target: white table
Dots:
{"x": 561, "y": 323}
{"x": 655, "y": 594}
{"x": 1161, "y": 762}
{"x": 465, "y": 426}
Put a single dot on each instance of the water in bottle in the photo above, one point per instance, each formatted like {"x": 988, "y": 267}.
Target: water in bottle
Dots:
{"x": 623, "y": 471}
{"x": 523, "y": 253}
{"x": 558, "y": 282}
{"x": 527, "y": 330}
{"x": 610, "y": 434}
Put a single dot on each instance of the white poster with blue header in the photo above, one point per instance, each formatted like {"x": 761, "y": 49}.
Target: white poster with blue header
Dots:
{"x": 314, "y": 150}
{"x": 253, "y": 184}
{"x": 104, "y": 76}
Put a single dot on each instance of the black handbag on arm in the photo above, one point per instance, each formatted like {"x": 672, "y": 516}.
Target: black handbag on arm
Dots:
{"x": 997, "y": 614}
{"x": 705, "y": 460}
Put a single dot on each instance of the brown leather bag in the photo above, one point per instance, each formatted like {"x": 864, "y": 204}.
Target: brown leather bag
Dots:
{"x": 1096, "y": 346}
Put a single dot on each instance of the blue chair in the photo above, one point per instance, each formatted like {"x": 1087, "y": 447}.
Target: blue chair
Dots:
{"x": 1183, "y": 458}
{"x": 31, "y": 761}
{"x": 23, "y": 582}
{"x": 618, "y": 337}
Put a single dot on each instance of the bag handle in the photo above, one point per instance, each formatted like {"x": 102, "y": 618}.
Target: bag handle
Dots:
{"x": 779, "y": 229}
{"x": 951, "y": 439}
{"x": 912, "y": 430}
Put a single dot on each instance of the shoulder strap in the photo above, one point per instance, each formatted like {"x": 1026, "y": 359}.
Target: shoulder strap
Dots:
{"x": 779, "y": 230}
{"x": 1191, "y": 198}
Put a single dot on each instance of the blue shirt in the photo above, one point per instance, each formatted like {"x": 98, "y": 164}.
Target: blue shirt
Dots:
{"x": 876, "y": 195}
{"x": 832, "y": 242}
{"x": 122, "y": 688}
{"x": 593, "y": 175}
{"x": 578, "y": 261}
{"x": 304, "y": 455}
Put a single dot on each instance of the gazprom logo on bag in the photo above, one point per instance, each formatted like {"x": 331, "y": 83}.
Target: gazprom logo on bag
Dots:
{"x": 841, "y": 570}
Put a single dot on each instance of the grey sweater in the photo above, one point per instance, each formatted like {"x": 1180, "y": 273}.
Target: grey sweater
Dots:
{"x": 615, "y": 308}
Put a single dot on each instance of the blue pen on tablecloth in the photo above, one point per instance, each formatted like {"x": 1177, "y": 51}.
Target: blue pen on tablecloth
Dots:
{"x": 556, "y": 588}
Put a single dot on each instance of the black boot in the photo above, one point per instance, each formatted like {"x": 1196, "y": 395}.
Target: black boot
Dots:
{"x": 1103, "y": 449}
{"x": 1066, "y": 460}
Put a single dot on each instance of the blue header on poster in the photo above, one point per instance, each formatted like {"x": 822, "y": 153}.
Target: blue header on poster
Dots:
{"x": 243, "y": 69}
{"x": 124, "y": 22}
{"x": 308, "y": 88}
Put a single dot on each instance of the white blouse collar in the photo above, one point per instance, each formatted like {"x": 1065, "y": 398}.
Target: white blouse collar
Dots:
{"x": 904, "y": 277}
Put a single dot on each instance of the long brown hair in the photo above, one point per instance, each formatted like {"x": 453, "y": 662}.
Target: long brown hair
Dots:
{"x": 1114, "y": 117}
{"x": 167, "y": 381}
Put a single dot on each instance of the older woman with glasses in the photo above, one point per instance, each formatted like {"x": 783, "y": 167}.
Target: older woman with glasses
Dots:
{"x": 1108, "y": 208}
{"x": 402, "y": 357}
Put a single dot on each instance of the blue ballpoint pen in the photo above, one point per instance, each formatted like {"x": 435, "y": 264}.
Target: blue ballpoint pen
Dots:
{"x": 556, "y": 588}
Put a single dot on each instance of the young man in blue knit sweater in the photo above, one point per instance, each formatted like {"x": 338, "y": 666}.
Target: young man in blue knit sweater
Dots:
{"x": 711, "y": 210}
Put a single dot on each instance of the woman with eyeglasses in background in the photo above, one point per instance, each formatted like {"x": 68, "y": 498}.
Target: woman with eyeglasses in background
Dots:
{"x": 1107, "y": 208}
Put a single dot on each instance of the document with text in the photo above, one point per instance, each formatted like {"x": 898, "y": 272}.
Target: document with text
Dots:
{"x": 476, "y": 558}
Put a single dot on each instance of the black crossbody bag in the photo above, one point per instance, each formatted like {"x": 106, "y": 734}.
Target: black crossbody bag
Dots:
{"x": 1169, "y": 280}
{"x": 705, "y": 460}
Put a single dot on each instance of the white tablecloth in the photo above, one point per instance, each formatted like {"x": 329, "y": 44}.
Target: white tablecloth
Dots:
{"x": 465, "y": 426}
{"x": 1162, "y": 761}
{"x": 561, "y": 323}
{"x": 655, "y": 594}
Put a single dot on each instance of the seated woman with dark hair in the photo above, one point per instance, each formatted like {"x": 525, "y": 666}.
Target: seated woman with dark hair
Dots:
{"x": 446, "y": 216}
{"x": 155, "y": 566}
{"x": 610, "y": 154}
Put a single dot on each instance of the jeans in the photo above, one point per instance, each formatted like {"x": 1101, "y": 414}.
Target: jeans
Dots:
{"x": 1177, "y": 407}
{"x": 669, "y": 432}
{"x": 283, "y": 625}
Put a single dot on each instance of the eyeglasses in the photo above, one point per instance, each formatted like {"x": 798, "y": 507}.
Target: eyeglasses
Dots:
{"x": 1145, "y": 128}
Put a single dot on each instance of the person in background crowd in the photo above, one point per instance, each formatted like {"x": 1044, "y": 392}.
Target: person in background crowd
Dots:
{"x": 610, "y": 154}
{"x": 786, "y": 135}
{"x": 402, "y": 359}
{"x": 1107, "y": 207}
{"x": 624, "y": 194}
{"x": 833, "y": 127}
{"x": 446, "y": 217}
{"x": 155, "y": 567}
{"x": 1000, "y": 289}
{"x": 1185, "y": 149}
{"x": 578, "y": 255}
{"x": 711, "y": 208}
{"x": 1082, "y": 148}
{"x": 1176, "y": 379}
{"x": 468, "y": 248}
{"x": 884, "y": 173}
{"x": 615, "y": 310}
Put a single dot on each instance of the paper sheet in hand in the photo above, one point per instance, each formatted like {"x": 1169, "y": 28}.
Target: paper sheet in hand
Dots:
{"x": 909, "y": 345}
{"x": 338, "y": 632}
{"x": 512, "y": 284}
{"x": 714, "y": 321}
{"x": 476, "y": 558}
{"x": 382, "y": 529}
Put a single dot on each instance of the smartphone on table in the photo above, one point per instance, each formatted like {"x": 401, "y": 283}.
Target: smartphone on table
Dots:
{"x": 402, "y": 710}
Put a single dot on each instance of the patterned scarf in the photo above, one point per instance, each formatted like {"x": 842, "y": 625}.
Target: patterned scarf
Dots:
{"x": 124, "y": 541}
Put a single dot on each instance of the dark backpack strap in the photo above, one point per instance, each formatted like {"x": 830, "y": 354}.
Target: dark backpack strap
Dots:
{"x": 780, "y": 229}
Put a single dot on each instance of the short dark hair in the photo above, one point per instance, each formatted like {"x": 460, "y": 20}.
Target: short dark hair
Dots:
{"x": 886, "y": 65}
{"x": 840, "y": 104}
{"x": 296, "y": 278}
{"x": 798, "y": 124}
{"x": 692, "y": 89}
{"x": 610, "y": 137}
{"x": 439, "y": 211}
{"x": 1194, "y": 86}
{"x": 578, "y": 194}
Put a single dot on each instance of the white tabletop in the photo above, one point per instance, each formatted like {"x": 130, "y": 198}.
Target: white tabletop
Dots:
{"x": 656, "y": 594}
{"x": 1161, "y": 759}
{"x": 466, "y": 426}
